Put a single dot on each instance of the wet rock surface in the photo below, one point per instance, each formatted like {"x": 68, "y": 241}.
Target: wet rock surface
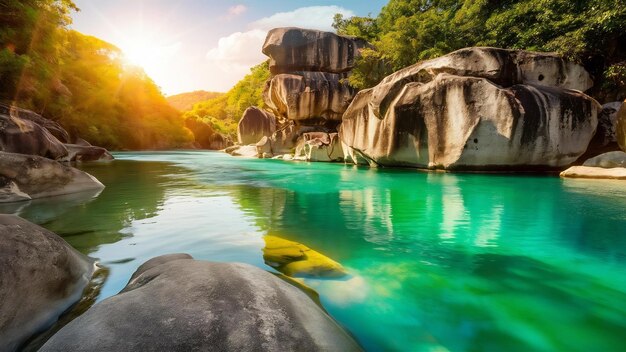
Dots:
{"x": 177, "y": 303}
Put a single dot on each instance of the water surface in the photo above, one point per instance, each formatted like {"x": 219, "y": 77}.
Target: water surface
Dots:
{"x": 458, "y": 262}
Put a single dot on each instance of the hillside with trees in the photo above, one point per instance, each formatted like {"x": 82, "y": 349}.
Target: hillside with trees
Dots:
{"x": 223, "y": 113}
{"x": 80, "y": 81}
{"x": 186, "y": 101}
{"x": 592, "y": 32}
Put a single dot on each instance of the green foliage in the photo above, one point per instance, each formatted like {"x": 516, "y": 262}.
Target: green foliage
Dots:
{"x": 186, "y": 101}
{"x": 592, "y": 32}
{"x": 223, "y": 113}
{"x": 81, "y": 81}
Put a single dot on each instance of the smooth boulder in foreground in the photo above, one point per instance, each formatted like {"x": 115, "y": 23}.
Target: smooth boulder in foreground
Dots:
{"x": 25, "y": 177}
{"x": 175, "y": 303}
{"x": 41, "y": 276}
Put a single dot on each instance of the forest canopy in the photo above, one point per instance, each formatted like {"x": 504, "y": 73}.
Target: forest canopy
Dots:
{"x": 592, "y": 32}
{"x": 81, "y": 81}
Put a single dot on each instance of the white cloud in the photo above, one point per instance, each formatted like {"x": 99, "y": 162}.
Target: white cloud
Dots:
{"x": 313, "y": 17}
{"x": 238, "y": 52}
{"x": 237, "y": 10}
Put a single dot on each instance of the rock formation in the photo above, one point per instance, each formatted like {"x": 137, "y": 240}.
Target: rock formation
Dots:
{"x": 308, "y": 90}
{"x": 26, "y": 132}
{"x": 24, "y": 177}
{"x": 254, "y": 125}
{"x": 474, "y": 109}
{"x": 320, "y": 146}
{"x": 620, "y": 132}
{"x": 27, "y": 137}
{"x": 605, "y": 138}
{"x": 41, "y": 276}
{"x": 175, "y": 303}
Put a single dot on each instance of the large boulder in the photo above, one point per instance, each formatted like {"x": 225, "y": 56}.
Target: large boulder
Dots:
{"x": 41, "y": 276}
{"x": 296, "y": 49}
{"x": 53, "y": 127}
{"x": 310, "y": 98}
{"x": 455, "y": 122}
{"x": 501, "y": 66}
{"x": 27, "y": 137}
{"x": 180, "y": 304}
{"x": 620, "y": 132}
{"x": 24, "y": 177}
{"x": 254, "y": 125}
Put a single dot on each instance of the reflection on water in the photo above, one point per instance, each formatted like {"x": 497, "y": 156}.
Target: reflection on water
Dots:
{"x": 435, "y": 261}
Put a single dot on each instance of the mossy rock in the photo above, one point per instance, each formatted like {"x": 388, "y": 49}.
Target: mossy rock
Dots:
{"x": 297, "y": 260}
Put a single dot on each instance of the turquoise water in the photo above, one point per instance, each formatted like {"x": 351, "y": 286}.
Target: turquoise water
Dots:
{"x": 458, "y": 262}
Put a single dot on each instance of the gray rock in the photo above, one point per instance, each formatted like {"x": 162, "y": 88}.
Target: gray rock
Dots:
{"x": 179, "y": 304}
{"x": 41, "y": 276}
{"x": 320, "y": 147}
{"x": 26, "y": 137}
{"x": 605, "y": 139}
{"x": 621, "y": 127}
{"x": 501, "y": 66}
{"x": 469, "y": 123}
{"x": 53, "y": 127}
{"x": 296, "y": 49}
{"x": 254, "y": 125}
{"x": 311, "y": 98}
{"x": 608, "y": 160}
{"x": 24, "y": 177}
{"x": 80, "y": 153}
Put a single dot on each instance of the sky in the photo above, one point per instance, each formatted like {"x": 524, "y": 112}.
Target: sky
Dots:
{"x": 189, "y": 45}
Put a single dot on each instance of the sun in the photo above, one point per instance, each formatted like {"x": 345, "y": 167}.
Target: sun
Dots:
{"x": 138, "y": 51}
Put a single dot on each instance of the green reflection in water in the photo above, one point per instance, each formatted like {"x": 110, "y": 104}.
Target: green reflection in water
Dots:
{"x": 436, "y": 261}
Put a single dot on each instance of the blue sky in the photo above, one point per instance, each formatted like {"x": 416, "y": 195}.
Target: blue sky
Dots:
{"x": 187, "y": 45}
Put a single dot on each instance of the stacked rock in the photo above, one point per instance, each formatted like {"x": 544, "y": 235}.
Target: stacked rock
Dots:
{"x": 307, "y": 92}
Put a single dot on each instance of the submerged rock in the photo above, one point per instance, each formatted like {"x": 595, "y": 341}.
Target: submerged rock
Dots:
{"x": 24, "y": 177}
{"x": 455, "y": 122}
{"x": 296, "y": 49}
{"x": 254, "y": 125}
{"x": 180, "y": 304}
{"x": 297, "y": 260}
{"x": 41, "y": 276}
{"x": 311, "y": 98}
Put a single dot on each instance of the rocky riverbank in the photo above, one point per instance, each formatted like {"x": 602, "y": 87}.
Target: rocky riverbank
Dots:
{"x": 476, "y": 109}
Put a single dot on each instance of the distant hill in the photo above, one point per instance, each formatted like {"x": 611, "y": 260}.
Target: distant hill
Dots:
{"x": 186, "y": 101}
